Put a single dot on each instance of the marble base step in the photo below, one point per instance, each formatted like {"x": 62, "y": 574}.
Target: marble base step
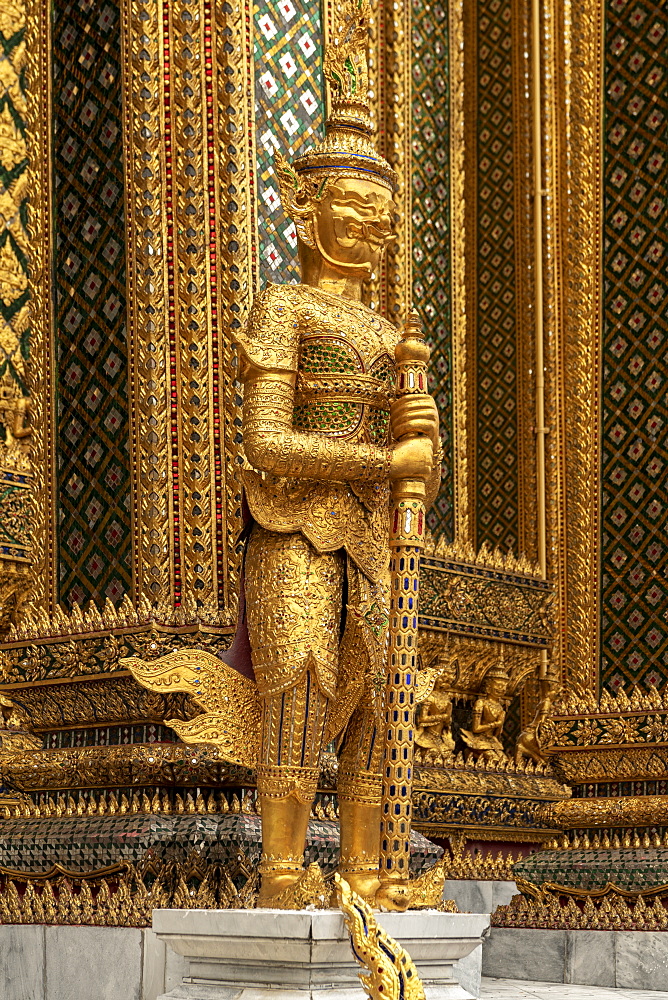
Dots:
{"x": 303, "y": 955}
{"x": 619, "y": 959}
{"x": 477, "y": 895}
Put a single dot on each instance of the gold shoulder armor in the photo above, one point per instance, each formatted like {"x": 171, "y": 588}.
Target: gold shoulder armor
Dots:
{"x": 271, "y": 337}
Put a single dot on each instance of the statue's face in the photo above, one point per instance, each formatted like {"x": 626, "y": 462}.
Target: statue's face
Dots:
{"x": 353, "y": 223}
{"x": 444, "y": 681}
{"x": 496, "y": 687}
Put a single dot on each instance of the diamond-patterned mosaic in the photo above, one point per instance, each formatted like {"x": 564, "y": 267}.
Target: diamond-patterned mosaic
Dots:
{"x": 109, "y": 736}
{"x": 635, "y": 350}
{"x": 14, "y": 294}
{"x": 87, "y": 843}
{"x": 633, "y": 869}
{"x": 431, "y": 227}
{"x": 94, "y": 479}
{"x": 496, "y": 375}
{"x": 289, "y": 116}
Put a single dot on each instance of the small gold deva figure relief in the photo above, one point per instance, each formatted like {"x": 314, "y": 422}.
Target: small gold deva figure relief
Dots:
{"x": 15, "y": 420}
{"x": 322, "y": 430}
{"x": 528, "y": 742}
{"x": 434, "y": 717}
{"x": 489, "y": 715}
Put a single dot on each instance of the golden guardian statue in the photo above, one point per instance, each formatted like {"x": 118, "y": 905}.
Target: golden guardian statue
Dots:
{"x": 324, "y": 437}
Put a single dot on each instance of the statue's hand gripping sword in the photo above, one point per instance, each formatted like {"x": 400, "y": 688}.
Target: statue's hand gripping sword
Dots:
{"x": 407, "y": 529}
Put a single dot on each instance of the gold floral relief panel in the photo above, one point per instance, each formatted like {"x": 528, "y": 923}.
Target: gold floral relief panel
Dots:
{"x": 572, "y": 87}
{"x": 14, "y": 292}
{"x": 192, "y": 272}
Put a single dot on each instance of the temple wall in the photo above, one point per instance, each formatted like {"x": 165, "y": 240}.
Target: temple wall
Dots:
{"x": 604, "y": 108}
{"x": 634, "y": 454}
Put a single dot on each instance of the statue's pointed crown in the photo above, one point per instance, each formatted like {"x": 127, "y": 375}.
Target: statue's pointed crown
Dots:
{"x": 497, "y": 672}
{"x": 347, "y": 147}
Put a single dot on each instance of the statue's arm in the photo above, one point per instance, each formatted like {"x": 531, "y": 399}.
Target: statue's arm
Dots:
{"x": 271, "y": 444}
{"x": 477, "y": 725}
{"x": 429, "y": 713}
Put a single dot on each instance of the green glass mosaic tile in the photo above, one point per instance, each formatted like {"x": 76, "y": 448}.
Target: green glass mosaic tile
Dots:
{"x": 93, "y": 455}
{"x": 633, "y": 869}
{"x": 497, "y": 486}
{"x": 634, "y": 546}
{"x": 84, "y": 843}
{"x": 289, "y": 115}
{"x": 430, "y": 216}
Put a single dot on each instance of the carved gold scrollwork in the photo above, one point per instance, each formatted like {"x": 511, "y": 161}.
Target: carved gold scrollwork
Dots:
{"x": 231, "y": 720}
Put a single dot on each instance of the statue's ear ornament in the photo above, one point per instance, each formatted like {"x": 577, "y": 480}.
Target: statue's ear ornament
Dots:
{"x": 298, "y": 195}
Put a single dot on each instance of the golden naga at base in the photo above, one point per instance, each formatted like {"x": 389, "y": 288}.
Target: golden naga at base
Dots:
{"x": 324, "y": 438}
{"x": 387, "y": 969}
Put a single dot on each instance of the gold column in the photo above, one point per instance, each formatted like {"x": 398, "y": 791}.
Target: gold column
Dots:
{"x": 463, "y": 521}
{"x": 572, "y": 67}
{"x": 42, "y": 360}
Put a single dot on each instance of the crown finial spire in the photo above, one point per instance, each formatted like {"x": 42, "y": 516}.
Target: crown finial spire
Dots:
{"x": 347, "y": 149}
{"x": 346, "y": 68}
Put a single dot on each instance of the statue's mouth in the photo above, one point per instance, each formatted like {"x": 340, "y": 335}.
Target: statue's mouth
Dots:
{"x": 366, "y": 232}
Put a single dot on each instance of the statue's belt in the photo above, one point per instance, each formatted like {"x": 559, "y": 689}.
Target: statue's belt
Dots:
{"x": 356, "y": 389}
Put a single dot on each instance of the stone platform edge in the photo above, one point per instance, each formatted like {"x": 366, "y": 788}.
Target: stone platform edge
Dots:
{"x": 635, "y": 960}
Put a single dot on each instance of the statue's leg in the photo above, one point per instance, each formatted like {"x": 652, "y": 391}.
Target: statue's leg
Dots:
{"x": 287, "y": 780}
{"x": 293, "y": 599}
{"x": 359, "y": 793}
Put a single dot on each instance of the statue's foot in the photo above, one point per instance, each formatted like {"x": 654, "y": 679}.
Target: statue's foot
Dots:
{"x": 294, "y": 890}
{"x": 275, "y": 887}
{"x": 365, "y": 884}
{"x": 394, "y": 896}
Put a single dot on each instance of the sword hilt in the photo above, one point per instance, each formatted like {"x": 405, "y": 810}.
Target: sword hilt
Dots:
{"x": 411, "y": 356}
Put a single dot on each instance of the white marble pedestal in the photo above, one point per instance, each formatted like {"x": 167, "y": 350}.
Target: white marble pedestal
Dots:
{"x": 305, "y": 955}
